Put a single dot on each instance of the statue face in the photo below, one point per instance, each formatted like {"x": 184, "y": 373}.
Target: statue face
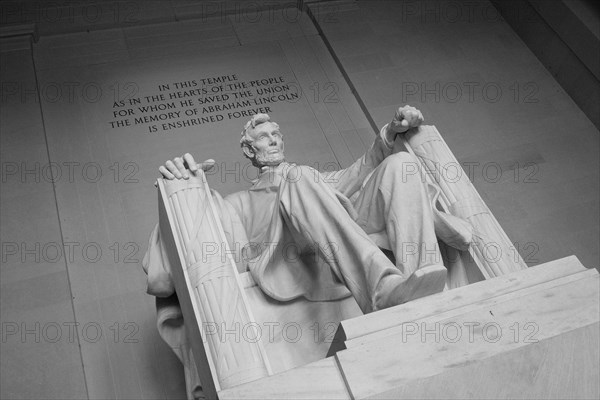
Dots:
{"x": 267, "y": 145}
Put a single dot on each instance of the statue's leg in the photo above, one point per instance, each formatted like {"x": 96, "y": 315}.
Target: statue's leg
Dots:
{"x": 395, "y": 199}
{"x": 314, "y": 214}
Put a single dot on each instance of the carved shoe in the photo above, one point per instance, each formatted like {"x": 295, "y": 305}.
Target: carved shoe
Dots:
{"x": 395, "y": 289}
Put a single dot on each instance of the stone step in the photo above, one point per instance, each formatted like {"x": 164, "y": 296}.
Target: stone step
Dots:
{"x": 368, "y": 327}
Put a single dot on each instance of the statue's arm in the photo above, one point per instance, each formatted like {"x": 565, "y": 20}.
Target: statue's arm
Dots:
{"x": 349, "y": 180}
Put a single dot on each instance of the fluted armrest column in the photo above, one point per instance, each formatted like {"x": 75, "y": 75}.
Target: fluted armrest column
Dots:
{"x": 218, "y": 320}
{"x": 491, "y": 248}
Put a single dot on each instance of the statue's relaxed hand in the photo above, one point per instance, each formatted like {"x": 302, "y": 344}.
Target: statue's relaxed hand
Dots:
{"x": 179, "y": 167}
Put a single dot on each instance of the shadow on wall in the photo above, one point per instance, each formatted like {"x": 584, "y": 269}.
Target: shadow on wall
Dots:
{"x": 565, "y": 37}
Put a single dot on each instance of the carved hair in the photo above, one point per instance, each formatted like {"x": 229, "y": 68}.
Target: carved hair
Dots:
{"x": 257, "y": 119}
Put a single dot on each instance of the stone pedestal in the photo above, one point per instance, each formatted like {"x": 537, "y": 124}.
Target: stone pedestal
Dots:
{"x": 528, "y": 334}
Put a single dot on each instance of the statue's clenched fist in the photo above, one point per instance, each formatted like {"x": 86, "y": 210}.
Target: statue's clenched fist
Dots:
{"x": 179, "y": 167}
{"x": 406, "y": 117}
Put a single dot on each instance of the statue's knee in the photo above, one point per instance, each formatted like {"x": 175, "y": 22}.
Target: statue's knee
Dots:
{"x": 401, "y": 163}
{"x": 401, "y": 157}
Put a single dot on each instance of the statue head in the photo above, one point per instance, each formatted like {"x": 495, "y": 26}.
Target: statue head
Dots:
{"x": 262, "y": 142}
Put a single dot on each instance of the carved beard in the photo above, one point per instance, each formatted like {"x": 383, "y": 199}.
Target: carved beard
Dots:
{"x": 262, "y": 159}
